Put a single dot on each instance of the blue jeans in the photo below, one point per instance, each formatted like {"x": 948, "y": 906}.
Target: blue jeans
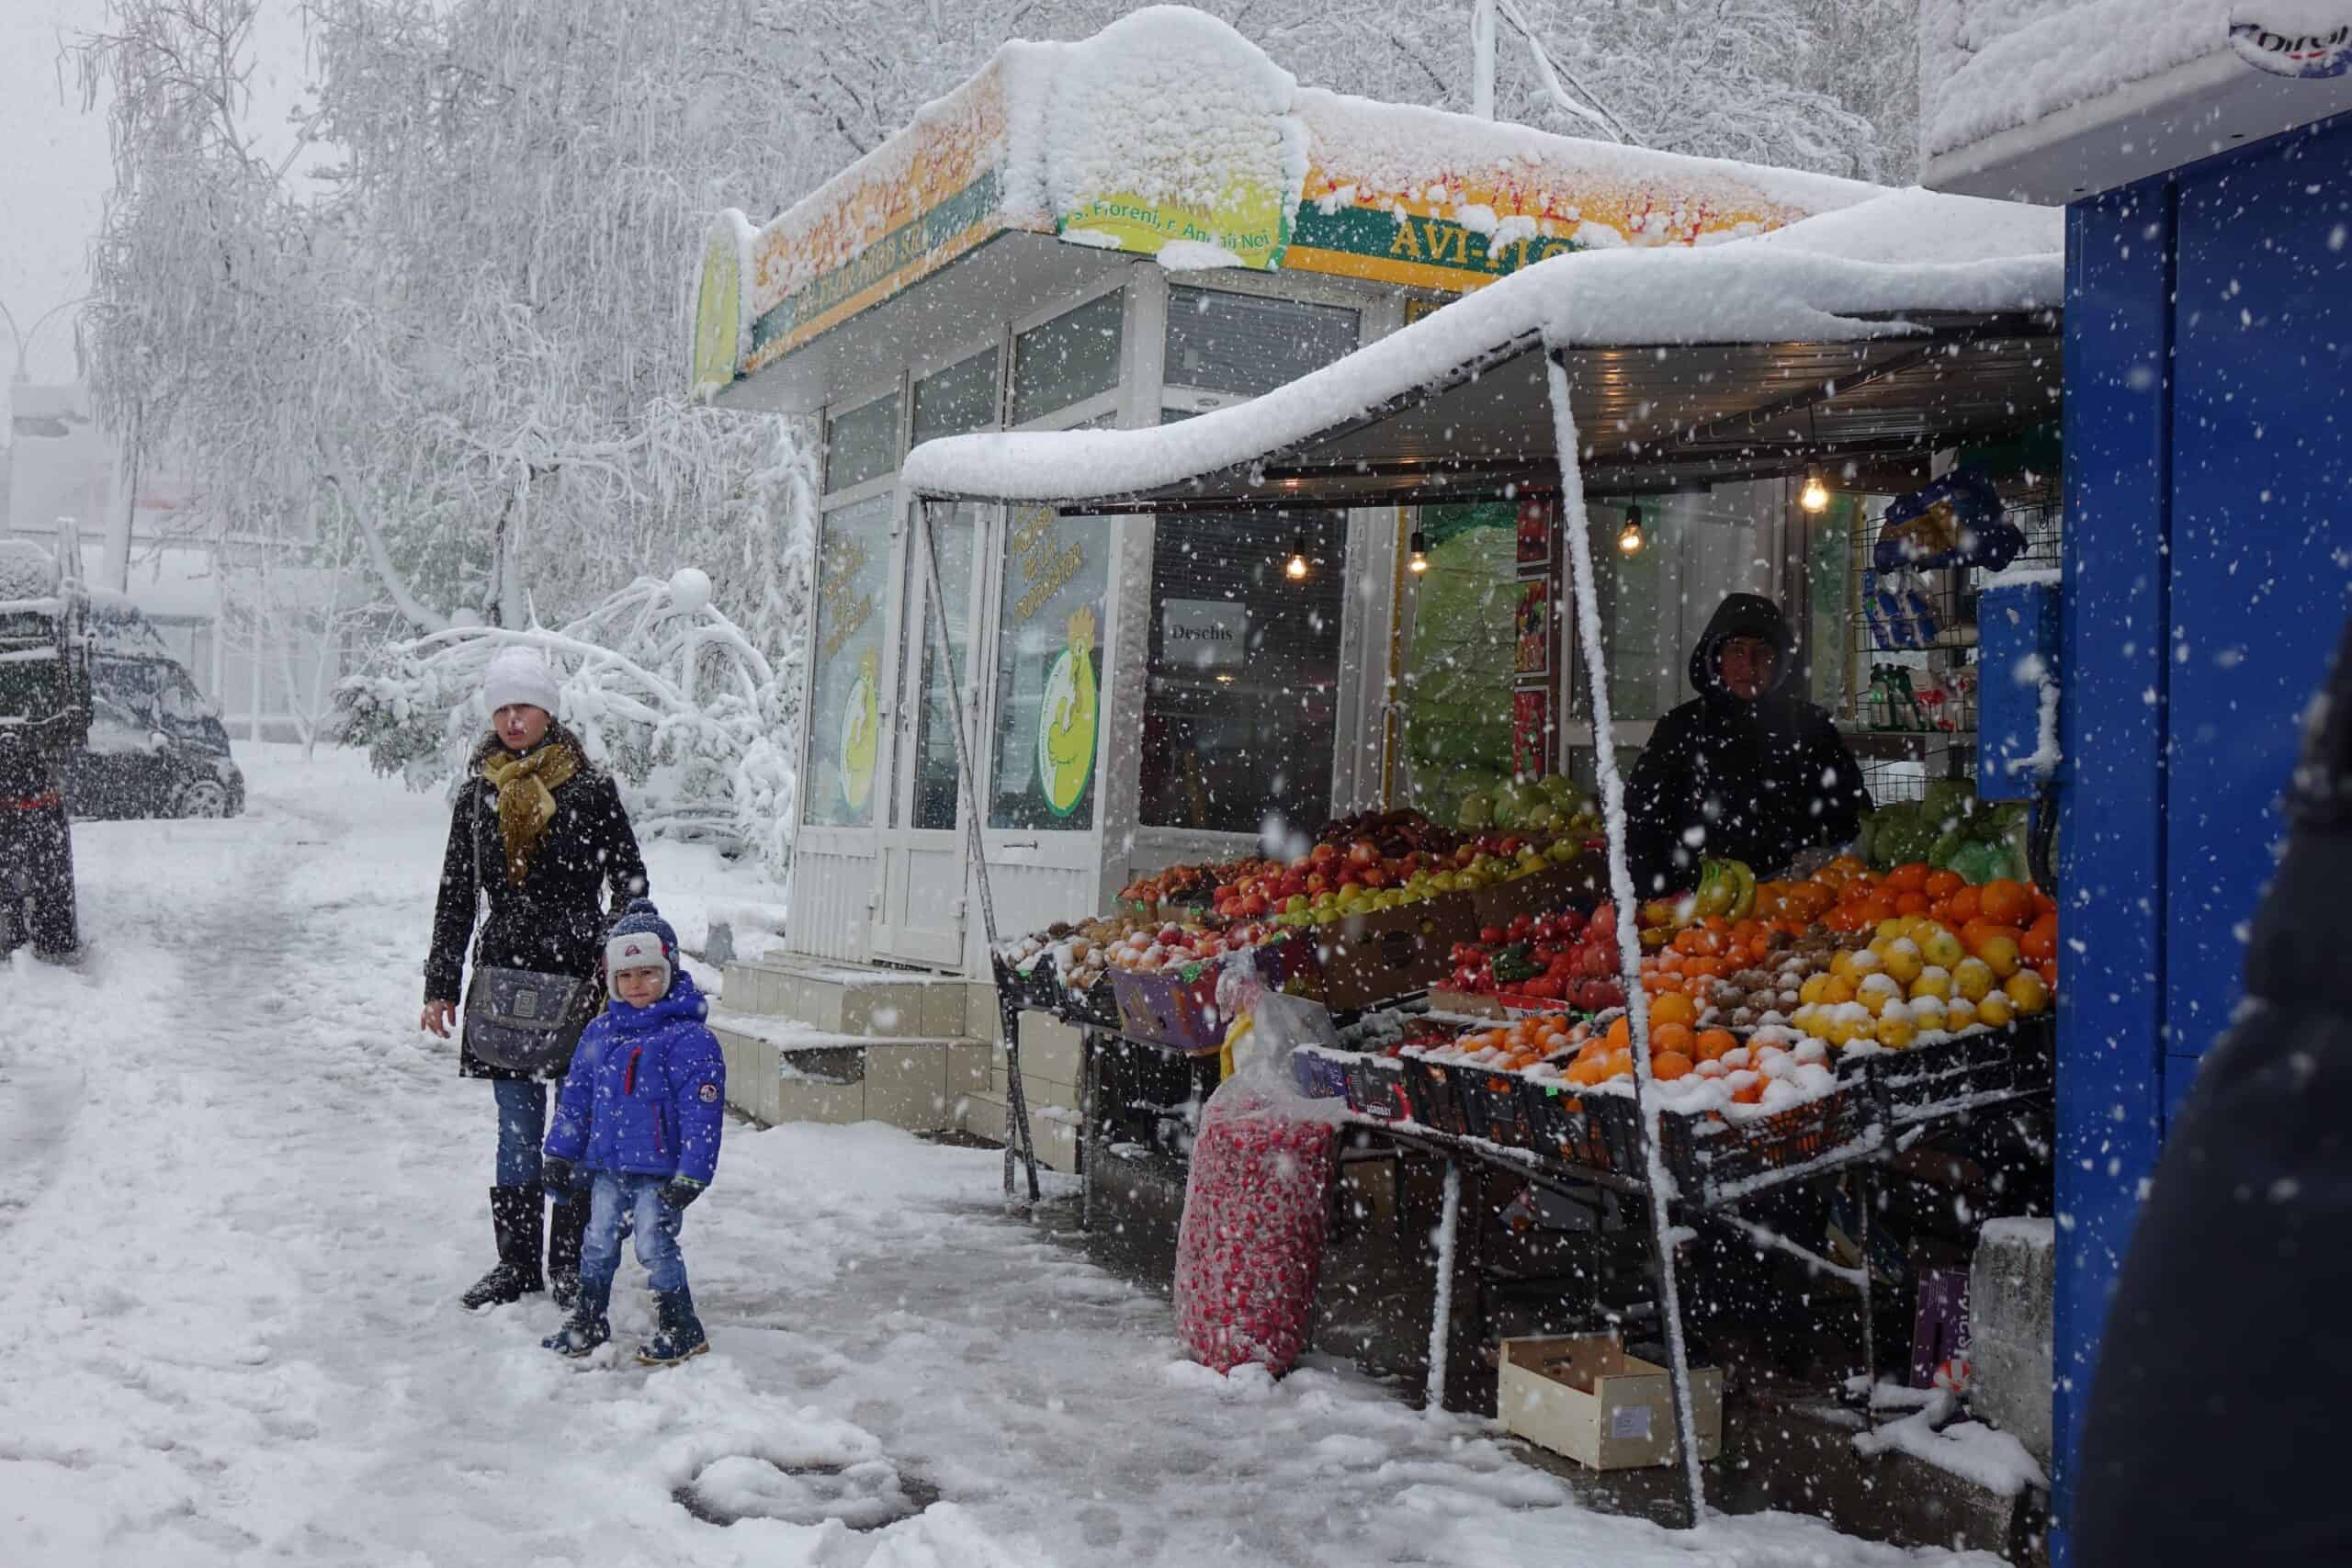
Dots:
{"x": 522, "y": 1129}
{"x": 634, "y": 1200}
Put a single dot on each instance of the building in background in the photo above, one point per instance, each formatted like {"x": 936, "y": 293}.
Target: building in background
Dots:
{"x": 264, "y": 636}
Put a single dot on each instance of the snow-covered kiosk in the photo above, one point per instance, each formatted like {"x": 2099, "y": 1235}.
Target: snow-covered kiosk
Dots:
{"x": 1141, "y": 229}
{"x": 2203, "y": 151}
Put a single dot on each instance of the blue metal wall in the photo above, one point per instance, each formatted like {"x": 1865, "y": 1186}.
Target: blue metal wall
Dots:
{"x": 2208, "y": 571}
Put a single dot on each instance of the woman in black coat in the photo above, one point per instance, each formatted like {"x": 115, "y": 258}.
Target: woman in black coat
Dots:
{"x": 539, "y": 832}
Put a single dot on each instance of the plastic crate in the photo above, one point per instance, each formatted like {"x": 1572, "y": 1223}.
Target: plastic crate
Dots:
{"x": 1376, "y": 1087}
{"x": 1928, "y": 1081}
{"x": 1493, "y": 1108}
{"x": 1320, "y": 1074}
{"x": 1590, "y": 1131}
{"x": 1436, "y": 1094}
{"x": 1715, "y": 1160}
{"x": 1037, "y": 989}
{"x": 1095, "y": 1007}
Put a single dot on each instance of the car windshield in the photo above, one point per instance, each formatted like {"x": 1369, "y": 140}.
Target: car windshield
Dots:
{"x": 160, "y": 695}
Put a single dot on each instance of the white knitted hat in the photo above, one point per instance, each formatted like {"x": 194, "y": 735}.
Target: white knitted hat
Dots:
{"x": 519, "y": 675}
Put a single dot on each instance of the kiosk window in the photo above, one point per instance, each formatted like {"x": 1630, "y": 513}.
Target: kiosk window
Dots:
{"x": 1243, "y": 345}
{"x": 862, "y": 443}
{"x": 845, "y": 704}
{"x": 960, "y": 399}
{"x": 1069, "y": 359}
{"x": 1240, "y": 710}
{"x": 1049, "y": 700}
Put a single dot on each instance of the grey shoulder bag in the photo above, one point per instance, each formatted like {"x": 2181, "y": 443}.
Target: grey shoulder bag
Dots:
{"x": 521, "y": 1020}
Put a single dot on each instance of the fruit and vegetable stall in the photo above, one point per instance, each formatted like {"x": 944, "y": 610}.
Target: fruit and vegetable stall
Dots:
{"x": 1798, "y": 1026}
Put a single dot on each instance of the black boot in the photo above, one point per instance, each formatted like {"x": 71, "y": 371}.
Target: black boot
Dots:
{"x": 585, "y": 1328}
{"x": 566, "y": 1225}
{"x": 514, "y": 1218}
{"x": 681, "y": 1334}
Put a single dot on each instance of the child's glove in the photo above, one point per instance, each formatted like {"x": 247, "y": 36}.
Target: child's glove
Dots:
{"x": 556, "y": 1175}
{"x": 681, "y": 1192}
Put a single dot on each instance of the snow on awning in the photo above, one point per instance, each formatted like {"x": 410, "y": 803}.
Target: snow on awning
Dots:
{"x": 1856, "y": 331}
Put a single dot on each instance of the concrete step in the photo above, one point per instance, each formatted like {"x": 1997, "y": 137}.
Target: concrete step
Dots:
{"x": 860, "y": 1001}
{"x": 775, "y": 1075}
{"x": 984, "y": 1115}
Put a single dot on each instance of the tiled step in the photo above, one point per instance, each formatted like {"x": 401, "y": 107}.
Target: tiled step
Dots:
{"x": 850, "y": 999}
{"x": 779, "y": 1074}
{"x": 1055, "y": 1129}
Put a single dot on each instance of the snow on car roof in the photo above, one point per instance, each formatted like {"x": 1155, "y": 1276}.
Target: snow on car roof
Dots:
{"x": 1847, "y": 276}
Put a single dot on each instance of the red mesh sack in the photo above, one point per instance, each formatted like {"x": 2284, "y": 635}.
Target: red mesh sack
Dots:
{"x": 1251, "y": 1244}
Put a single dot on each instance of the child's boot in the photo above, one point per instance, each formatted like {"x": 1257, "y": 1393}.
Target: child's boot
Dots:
{"x": 585, "y": 1328}
{"x": 680, "y": 1335}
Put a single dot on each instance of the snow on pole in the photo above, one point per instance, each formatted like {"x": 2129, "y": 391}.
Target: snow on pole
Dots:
{"x": 1576, "y": 524}
{"x": 1449, "y": 1230}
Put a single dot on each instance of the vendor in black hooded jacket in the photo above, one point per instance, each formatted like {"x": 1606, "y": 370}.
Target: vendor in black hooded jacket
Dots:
{"x": 1743, "y": 771}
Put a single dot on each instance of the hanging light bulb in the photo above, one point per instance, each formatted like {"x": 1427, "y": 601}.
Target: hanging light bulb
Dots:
{"x": 1420, "y": 562}
{"x": 1815, "y": 497}
{"x": 1629, "y": 538}
{"x": 1295, "y": 568}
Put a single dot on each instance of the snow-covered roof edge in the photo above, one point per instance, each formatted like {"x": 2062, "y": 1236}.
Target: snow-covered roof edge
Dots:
{"x": 1817, "y": 281}
{"x": 1168, "y": 126}
{"x": 2056, "y": 100}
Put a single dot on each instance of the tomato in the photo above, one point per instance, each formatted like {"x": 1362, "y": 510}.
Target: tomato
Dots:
{"x": 1913, "y": 904}
{"x": 2041, "y": 939}
{"x": 1963, "y": 906}
{"x": 1544, "y": 986}
{"x": 1943, "y": 885}
{"x": 1910, "y": 878}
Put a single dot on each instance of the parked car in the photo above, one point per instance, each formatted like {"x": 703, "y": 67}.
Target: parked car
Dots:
{"x": 156, "y": 747}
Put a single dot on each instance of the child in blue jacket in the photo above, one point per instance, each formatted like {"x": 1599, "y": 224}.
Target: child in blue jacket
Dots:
{"x": 638, "y": 1122}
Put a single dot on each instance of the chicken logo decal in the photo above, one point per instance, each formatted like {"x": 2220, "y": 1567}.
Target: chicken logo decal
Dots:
{"x": 861, "y": 734}
{"x": 1066, "y": 719}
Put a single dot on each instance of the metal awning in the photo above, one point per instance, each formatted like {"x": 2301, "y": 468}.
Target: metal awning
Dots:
{"x": 1660, "y": 418}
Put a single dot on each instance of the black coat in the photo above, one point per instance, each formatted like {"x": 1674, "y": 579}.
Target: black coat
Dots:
{"x": 1748, "y": 781}
{"x": 555, "y": 921}
{"x": 2225, "y": 1370}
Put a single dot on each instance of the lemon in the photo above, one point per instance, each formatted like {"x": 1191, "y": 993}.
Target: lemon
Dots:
{"x": 1903, "y": 960}
{"x": 2000, "y": 955}
{"x": 1971, "y": 978}
{"x": 2027, "y": 993}
{"x": 1895, "y": 1031}
{"x": 1876, "y": 991}
{"x": 1932, "y": 982}
{"x": 1995, "y": 1010}
{"x": 1837, "y": 992}
{"x": 1810, "y": 993}
{"x": 1892, "y": 927}
{"x": 1928, "y": 1014}
{"x": 1939, "y": 947}
{"x": 1959, "y": 1013}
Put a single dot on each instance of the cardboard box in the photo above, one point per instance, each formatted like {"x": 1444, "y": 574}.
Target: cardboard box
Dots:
{"x": 1580, "y": 1394}
{"x": 1500, "y": 903}
{"x": 1179, "y": 1009}
{"x": 1377, "y": 957}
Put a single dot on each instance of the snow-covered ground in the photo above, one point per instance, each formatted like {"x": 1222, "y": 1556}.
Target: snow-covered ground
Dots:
{"x": 240, "y": 1191}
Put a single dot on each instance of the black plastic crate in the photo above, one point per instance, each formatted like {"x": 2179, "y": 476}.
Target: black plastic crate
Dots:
{"x": 1036, "y": 989}
{"x": 1925, "y": 1082}
{"x": 1096, "y": 1007}
{"x": 1592, "y": 1132}
{"x": 1376, "y": 1087}
{"x": 1715, "y": 1160}
{"x": 1436, "y": 1094}
{"x": 1492, "y": 1107}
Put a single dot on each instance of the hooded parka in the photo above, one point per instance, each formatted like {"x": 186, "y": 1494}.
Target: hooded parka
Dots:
{"x": 553, "y": 920}
{"x": 1726, "y": 778}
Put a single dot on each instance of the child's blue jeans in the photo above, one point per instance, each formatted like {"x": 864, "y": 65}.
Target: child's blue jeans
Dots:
{"x": 636, "y": 1200}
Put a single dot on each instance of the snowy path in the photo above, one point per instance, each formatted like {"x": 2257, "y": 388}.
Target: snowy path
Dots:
{"x": 239, "y": 1192}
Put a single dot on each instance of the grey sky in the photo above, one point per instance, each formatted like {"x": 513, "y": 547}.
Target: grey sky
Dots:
{"x": 53, "y": 165}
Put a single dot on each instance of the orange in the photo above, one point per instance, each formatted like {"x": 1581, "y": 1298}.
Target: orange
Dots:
{"x": 2040, "y": 940}
{"x": 1671, "y": 1009}
{"x": 1910, "y": 878}
{"x": 1963, "y": 906}
{"x": 1748, "y": 1093}
{"x": 1621, "y": 1032}
{"x": 1845, "y": 919}
{"x": 2043, "y": 904}
{"x": 1587, "y": 1071}
{"x": 1942, "y": 884}
{"x": 2006, "y": 903}
{"x": 1913, "y": 904}
{"x": 1674, "y": 1037}
{"x": 1619, "y": 1062}
{"x": 1710, "y": 1044}
{"x": 1874, "y": 909}
{"x": 2048, "y": 970}
{"x": 1668, "y": 1065}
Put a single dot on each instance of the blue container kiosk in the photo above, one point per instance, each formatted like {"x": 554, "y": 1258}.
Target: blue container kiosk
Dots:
{"x": 2207, "y": 565}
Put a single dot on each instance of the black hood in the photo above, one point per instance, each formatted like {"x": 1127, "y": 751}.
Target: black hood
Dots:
{"x": 1742, "y": 615}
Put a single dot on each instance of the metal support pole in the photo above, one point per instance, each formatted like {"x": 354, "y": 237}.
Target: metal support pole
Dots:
{"x": 1449, "y": 1227}
{"x": 1018, "y": 1145}
{"x": 1866, "y": 1199}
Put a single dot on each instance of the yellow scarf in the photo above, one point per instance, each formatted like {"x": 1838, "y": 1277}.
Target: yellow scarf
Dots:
{"x": 527, "y": 786}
